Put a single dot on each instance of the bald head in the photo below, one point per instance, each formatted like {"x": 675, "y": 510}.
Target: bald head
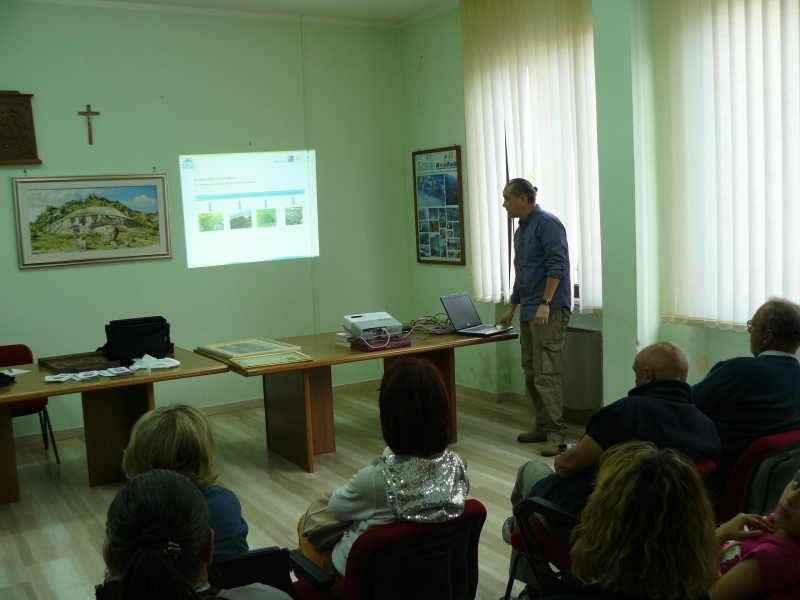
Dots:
{"x": 660, "y": 361}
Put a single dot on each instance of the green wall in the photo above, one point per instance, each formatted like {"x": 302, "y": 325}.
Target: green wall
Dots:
{"x": 433, "y": 105}
{"x": 177, "y": 83}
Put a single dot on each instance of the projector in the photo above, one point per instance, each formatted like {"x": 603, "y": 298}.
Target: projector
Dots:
{"x": 372, "y": 326}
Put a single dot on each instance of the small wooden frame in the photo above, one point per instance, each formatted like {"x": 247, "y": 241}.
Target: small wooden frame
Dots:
{"x": 439, "y": 206}
{"x": 77, "y": 363}
{"x": 17, "y": 135}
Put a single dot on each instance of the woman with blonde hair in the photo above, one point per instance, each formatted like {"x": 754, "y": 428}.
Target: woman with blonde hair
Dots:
{"x": 647, "y": 531}
{"x": 179, "y": 438}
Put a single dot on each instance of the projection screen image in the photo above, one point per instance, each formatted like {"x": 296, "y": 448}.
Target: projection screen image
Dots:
{"x": 249, "y": 207}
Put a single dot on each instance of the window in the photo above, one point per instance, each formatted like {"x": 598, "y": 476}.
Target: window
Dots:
{"x": 530, "y": 97}
{"x": 728, "y": 84}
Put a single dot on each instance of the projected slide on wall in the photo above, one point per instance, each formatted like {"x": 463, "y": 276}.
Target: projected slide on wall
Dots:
{"x": 250, "y": 207}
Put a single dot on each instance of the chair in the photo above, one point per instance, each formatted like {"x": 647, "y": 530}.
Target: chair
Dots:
{"x": 705, "y": 467}
{"x": 760, "y": 475}
{"x": 20, "y": 354}
{"x": 533, "y": 541}
{"x": 548, "y": 548}
{"x": 437, "y": 561}
{"x": 269, "y": 566}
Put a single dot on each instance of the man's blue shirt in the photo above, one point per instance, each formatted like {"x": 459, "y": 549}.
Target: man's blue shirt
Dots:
{"x": 540, "y": 251}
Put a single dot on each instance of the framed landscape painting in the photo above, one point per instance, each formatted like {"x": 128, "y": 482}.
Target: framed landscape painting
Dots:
{"x": 439, "y": 207}
{"x": 75, "y": 220}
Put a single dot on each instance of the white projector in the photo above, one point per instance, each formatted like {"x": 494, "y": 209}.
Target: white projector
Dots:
{"x": 372, "y": 326}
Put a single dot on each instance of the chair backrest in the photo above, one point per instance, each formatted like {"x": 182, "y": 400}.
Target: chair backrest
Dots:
{"x": 759, "y": 476}
{"x": 15, "y": 354}
{"x": 269, "y": 566}
{"x": 541, "y": 547}
{"x": 705, "y": 467}
{"x": 437, "y": 561}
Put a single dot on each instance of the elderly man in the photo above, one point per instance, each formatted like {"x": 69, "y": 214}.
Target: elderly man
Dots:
{"x": 659, "y": 410}
{"x": 748, "y": 398}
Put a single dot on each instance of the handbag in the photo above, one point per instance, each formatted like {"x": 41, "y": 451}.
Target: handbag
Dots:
{"x": 320, "y": 527}
{"x": 133, "y": 338}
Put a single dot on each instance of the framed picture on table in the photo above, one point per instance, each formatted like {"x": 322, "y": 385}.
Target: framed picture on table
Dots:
{"x": 439, "y": 206}
{"x": 76, "y": 220}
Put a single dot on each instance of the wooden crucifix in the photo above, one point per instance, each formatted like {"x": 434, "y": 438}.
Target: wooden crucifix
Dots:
{"x": 89, "y": 114}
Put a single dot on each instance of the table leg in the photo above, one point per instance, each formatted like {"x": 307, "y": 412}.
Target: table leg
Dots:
{"x": 9, "y": 479}
{"x": 298, "y": 409}
{"x": 108, "y": 417}
{"x": 445, "y": 360}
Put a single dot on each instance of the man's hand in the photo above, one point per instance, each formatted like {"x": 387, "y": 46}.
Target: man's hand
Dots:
{"x": 542, "y": 317}
{"x": 578, "y": 458}
{"x": 506, "y": 319}
{"x": 734, "y": 529}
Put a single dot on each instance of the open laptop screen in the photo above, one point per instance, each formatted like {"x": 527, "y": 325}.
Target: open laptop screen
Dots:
{"x": 461, "y": 311}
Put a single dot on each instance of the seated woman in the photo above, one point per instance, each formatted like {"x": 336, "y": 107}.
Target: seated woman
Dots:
{"x": 179, "y": 438}
{"x": 415, "y": 479}
{"x": 160, "y": 545}
{"x": 647, "y": 531}
{"x": 764, "y": 559}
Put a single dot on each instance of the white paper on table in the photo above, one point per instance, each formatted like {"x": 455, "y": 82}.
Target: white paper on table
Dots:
{"x": 13, "y": 372}
{"x": 60, "y": 378}
{"x": 149, "y": 362}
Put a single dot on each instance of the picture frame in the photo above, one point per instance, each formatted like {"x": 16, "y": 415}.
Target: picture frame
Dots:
{"x": 247, "y": 348}
{"x": 439, "y": 206}
{"x": 91, "y": 219}
{"x": 269, "y": 360}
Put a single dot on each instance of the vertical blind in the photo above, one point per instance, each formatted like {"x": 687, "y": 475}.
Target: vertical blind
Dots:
{"x": 728, "y": 88}
{"x": 529, "y": 91}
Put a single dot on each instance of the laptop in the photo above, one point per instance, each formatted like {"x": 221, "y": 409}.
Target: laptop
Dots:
{"x": 464, "y": 317}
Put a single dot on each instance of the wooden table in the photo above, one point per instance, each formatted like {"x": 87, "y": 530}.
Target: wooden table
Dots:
{"x": 111, "y": 406}
{"x": 298, "y": 397}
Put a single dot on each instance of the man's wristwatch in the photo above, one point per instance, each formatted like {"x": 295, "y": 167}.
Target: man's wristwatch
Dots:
{"x": 547, "y": 302}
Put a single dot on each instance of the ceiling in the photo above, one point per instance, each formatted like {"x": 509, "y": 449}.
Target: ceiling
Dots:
{"x": 374, "y": 12}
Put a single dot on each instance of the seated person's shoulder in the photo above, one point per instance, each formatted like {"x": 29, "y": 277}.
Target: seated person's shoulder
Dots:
{"x": 216, "y": 494}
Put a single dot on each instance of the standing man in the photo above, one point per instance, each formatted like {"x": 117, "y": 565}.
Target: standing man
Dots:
{"x": 542, "y": 290}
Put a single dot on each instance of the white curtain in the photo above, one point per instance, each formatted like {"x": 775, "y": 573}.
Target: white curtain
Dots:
{"x": 728, "y": 83}
{"x": 530, "y": 95}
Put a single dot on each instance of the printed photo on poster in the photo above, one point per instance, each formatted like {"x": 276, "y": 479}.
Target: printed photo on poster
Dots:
{"x": 439, "y": 206}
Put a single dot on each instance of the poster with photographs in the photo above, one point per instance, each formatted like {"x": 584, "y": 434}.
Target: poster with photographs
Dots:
{"x": 439, "y": 206}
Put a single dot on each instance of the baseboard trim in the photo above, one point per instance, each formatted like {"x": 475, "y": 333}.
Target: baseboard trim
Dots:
{"x": 36, "y": 438}
{"x": 218, "y": 409}
{"x": 359, "y": 386}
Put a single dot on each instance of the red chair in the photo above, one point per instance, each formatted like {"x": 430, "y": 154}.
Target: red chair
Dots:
{"x": 20, "y": 354}
{"x": 759, "y": 476}
{"x": 402, "y": 560}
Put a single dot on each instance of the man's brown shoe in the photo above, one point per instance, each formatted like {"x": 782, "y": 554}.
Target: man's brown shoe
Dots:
{"x": 530, "y": 437}
{"x": 550, "y": 448}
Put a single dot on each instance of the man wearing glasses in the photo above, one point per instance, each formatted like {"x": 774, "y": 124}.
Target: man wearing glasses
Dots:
{"x": 748, "y": 398}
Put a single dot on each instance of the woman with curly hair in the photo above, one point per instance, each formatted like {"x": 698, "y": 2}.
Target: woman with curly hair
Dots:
{"x": 647, "y": 531}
